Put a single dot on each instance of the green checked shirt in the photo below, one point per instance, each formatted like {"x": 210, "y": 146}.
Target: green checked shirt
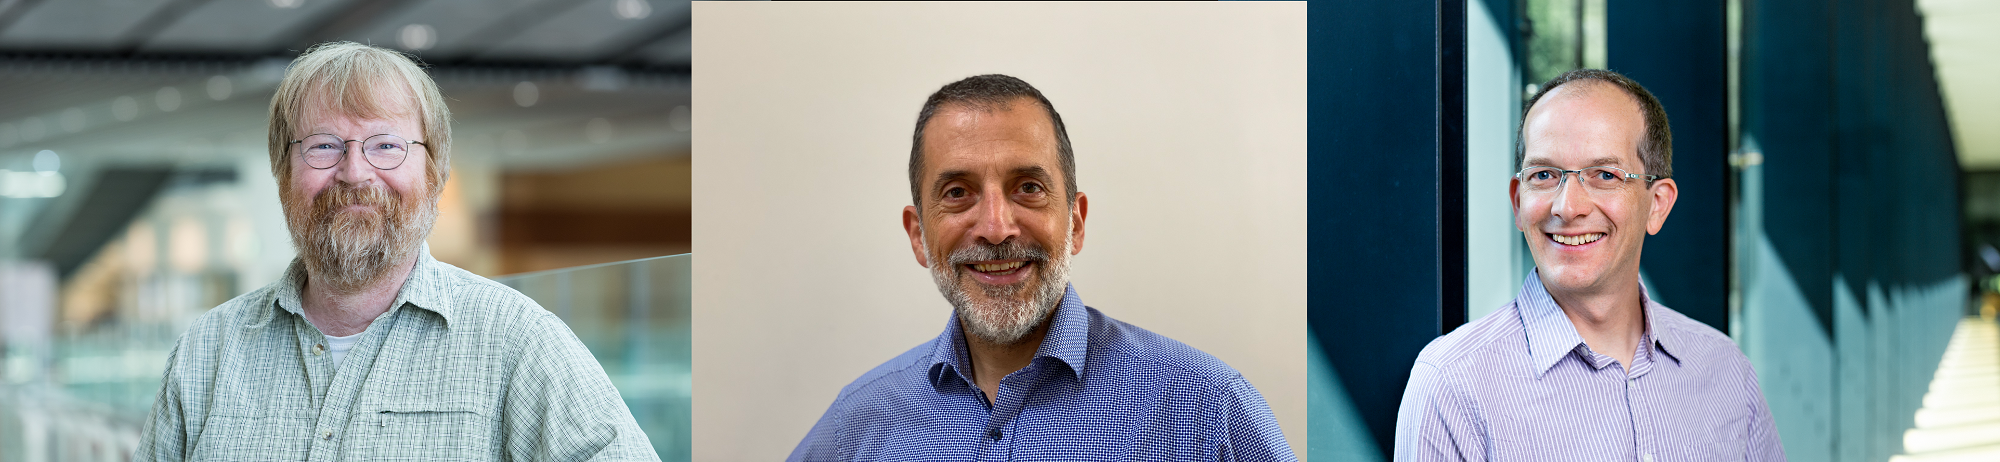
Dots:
{"x": 459, "y": 368}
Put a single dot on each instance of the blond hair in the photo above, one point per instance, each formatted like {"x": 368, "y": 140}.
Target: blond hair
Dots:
{"x": 349, "y": 78}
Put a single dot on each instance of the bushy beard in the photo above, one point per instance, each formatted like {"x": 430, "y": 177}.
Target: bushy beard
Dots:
{"x": 346, "y": 250}
{"x": 1007, "y": 313}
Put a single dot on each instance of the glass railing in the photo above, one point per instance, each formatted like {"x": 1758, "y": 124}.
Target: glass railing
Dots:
{"x": 83, "y": 396}
{"x": 634, "y": 316}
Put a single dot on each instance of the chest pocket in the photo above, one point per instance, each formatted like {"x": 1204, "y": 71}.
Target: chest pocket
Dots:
{"x": 439, "y": 431}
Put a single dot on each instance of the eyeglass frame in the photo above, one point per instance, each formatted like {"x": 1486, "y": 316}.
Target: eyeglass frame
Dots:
{"x": 1563, "y": 180}
{"x": 364, "y": 150}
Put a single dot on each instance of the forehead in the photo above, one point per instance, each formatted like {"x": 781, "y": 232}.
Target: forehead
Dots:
{"x": 1587, "y": 119}
{"x": 965, "y": 136}
{"x": 381, "y": 100}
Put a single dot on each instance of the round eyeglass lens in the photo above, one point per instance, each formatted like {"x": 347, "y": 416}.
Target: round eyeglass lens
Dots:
{"x": 386, "y": 151}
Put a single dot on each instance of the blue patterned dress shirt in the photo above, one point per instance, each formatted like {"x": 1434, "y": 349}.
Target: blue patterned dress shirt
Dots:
{"x": 1097, "y": 389}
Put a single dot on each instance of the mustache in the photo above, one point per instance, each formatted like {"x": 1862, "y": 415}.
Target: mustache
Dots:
{"x": 1011, "y": 249}
{"x": 339, "y": 196}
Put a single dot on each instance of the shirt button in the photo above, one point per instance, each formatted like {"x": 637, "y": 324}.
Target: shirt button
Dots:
{"x": 994, "y": 434}
{"x": 327, "y": 436}
{"x": 319, "y": 349}
{"x": 1647, "y": 458}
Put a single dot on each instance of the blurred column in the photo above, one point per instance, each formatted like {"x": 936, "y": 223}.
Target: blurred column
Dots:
{"x": 1387, "y": 205}
{"x": 27, "y": 315}
{"x": 1678, "y": 51}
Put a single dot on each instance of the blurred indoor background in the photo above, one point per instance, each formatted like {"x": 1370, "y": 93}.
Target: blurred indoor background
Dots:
{"x": 1839, "y": 214}
{"x": 135, "y": 188}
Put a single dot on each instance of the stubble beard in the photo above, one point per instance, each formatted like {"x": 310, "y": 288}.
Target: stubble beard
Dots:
{"x": 344, "y": 250}
{"x": 1006, "y": 314}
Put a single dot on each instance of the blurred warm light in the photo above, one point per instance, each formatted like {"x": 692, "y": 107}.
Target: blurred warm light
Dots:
{"x": 141, "y": 248}
{"x": 168, "y": 99}
{"x": 417, "y": 37}
{"x": 525, "y": 94}
{"x": 187, "y": 247}
{"x": 633, "y": 9}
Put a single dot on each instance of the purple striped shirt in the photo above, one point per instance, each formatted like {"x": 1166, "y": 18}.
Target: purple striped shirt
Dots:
{"x": 1520, "y": 384}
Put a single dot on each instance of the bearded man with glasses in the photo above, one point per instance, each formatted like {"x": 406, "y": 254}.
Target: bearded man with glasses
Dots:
{"x": 367, "y": 348}
{"x": 1583, "y": 364}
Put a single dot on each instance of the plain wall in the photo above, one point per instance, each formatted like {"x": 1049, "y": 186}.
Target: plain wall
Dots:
{"x": 1188, "y": 121}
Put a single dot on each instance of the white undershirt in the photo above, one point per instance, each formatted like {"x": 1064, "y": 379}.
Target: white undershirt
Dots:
{"x": 339, "y": 346}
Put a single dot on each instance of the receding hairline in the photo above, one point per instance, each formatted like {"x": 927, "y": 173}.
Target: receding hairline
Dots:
{"x": 1579, "y": 89}
{"x": 1047, "y": 124}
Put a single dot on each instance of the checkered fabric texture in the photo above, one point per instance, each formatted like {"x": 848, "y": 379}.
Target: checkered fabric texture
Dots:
{"x": 459, "y": 368}
{"x": 1097, "y": 389}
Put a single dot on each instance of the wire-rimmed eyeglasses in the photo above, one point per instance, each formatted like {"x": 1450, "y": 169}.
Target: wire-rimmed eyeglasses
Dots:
{"x": 385, "y": 151}
{"x": 1596, "y": 179}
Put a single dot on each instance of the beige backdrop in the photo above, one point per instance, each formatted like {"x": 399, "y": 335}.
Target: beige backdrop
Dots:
{"x": 1188, "y": 121}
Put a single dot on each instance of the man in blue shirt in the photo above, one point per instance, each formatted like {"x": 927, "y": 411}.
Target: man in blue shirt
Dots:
{"x": 1023, "y": 370}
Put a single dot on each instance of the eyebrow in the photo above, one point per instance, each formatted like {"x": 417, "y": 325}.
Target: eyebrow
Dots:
{"x": 1598, "y": 162}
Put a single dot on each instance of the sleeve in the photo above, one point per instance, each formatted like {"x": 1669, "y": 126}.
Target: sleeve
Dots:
{"x": 1764, "y": 444}
{"x": 1248, "y": 431}
{"x": 560, "y": 406}
{"x": 820, "y": 443}
{"x": 1436, "y": 421}
{"x": 164, "y": 435}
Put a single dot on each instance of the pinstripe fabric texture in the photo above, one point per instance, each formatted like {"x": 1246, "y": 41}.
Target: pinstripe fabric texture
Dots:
{"x": 1097, "y": 389}
{"x": 459, "y": 368}
{"x": 1520, "y": 384}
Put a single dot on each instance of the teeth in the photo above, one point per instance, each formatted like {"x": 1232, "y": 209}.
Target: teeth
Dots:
{"x": 997, "y": 267}
{"x": 1578, "y": 239}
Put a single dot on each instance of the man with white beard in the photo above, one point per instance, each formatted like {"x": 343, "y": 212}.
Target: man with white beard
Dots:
{"x": 1023, "y": 370}
{"x": 367, "y": 348}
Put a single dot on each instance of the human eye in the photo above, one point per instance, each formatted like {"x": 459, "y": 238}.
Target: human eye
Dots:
{"x": 1031, "y": 188}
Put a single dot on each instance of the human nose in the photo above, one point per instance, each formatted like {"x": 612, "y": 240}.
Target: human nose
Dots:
{"x": 1570, "y": 203}
{"x": 995, "y": 219}
{"x": 353, "y": 167}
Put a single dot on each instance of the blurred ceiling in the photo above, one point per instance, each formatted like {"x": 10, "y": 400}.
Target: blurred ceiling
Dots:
{"x": 650, "y": 33}
{"x": 91, "y": 89}
{"x": 1965, "y": 49}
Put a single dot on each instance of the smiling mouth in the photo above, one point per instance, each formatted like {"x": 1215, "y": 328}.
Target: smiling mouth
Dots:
{"x": 998, "y": 269}
{"x": 1579, "y": 239}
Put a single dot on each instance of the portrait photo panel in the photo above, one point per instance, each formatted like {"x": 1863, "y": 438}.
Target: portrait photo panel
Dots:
{"x": 1188, "y": 126}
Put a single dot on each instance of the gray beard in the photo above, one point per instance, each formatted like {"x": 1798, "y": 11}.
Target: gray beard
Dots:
{"x": 1005, "y": 317}
{"x": 345, "y": 253}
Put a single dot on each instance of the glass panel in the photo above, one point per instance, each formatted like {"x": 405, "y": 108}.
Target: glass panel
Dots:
{"x": 634, "y": 317}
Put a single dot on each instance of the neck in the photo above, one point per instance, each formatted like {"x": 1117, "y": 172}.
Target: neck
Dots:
{"x": 344, "y": 313}
{"x": 993, "y": 361}
{"x": 1610, "y": 319}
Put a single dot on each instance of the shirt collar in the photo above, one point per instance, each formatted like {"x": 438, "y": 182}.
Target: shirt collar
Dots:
{"x": 424, "y": 288}
{"x": 1551, "y": 335}
{"x": 1067, "y": 341}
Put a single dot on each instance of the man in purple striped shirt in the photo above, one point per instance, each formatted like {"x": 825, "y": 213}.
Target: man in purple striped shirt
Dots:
{"x": 1583, "y": 365}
